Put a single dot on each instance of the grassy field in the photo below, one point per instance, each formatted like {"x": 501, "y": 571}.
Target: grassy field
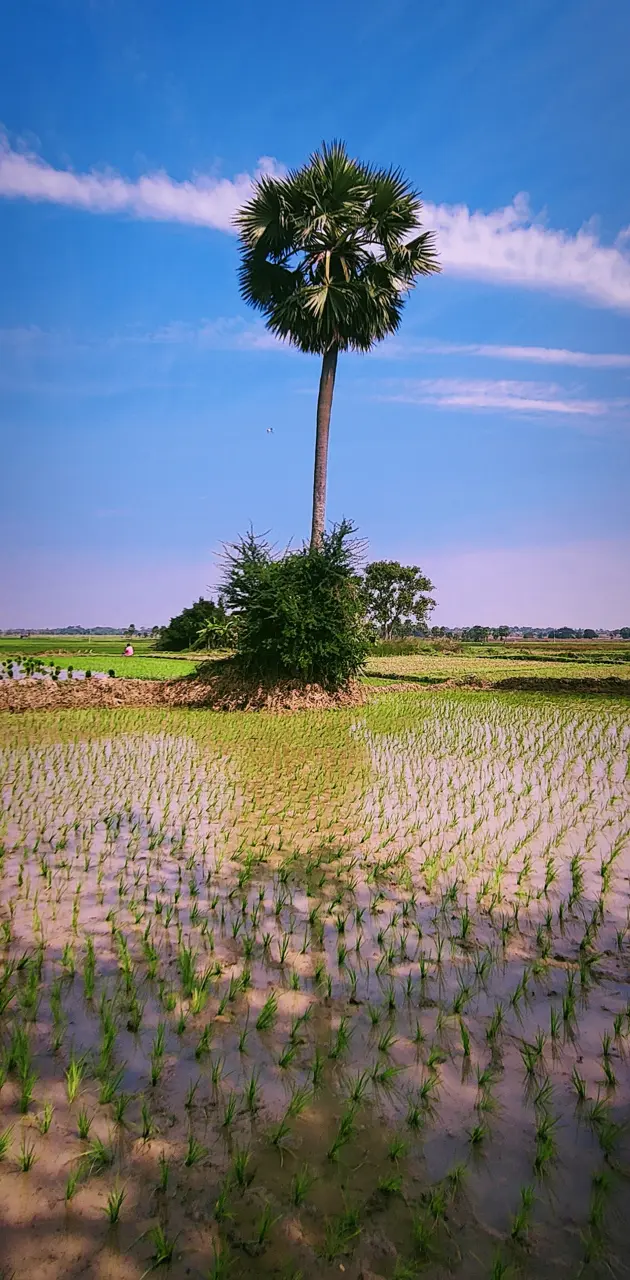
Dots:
{"x": 446, "y": 666}
{"x": 149, "y": 668}
{"x": 70, "y": 645}
{"x": 138, "y": 667}
{"x": 483, "y": 662}
{"x": 286, "y": 996}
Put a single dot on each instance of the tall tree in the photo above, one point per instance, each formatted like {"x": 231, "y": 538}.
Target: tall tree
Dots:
{"x": 328, "y": 254}
{"x": 396, "y": 594}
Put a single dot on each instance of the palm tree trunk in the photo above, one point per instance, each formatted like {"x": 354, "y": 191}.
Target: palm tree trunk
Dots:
{"x": 324, "y": 406}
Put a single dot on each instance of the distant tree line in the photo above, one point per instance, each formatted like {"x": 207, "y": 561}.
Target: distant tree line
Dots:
{"x": 131, "y": 630}
{"x": 397, "y": 605}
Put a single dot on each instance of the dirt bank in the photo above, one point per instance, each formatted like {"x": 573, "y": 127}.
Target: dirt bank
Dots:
{"x": 220, "y": 693}
{"x": 223, "y": 692}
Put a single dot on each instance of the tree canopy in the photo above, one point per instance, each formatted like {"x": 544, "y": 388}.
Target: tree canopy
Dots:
{"x": 183, "y": 630}
{"x": 329, "y": 251}
{"x": 396, "y": 595}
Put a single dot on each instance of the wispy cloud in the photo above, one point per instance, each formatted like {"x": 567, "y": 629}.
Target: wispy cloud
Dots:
{"x": 491, "y": 351}
{"x": 202, "y": 201}
{"x": 505, "y": 246}
{"x": 227, "y": 333}
{"x": 235, "y": 333}
{"x": 502, "y": 394}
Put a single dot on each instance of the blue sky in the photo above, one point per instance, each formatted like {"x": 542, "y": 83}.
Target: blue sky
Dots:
{"x": 489, "y": 443}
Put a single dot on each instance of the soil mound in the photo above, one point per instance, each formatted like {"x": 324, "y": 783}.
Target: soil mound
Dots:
{"x": 224, "y": 691}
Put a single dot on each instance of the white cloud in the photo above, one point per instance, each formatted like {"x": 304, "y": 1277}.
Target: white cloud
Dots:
{"x": 508, "y": 246}
{"x": 505, "y": 246}
{"x": 503, "y": 394}
{"x": 202, "y": 201}
{"x": 490, "y": 351}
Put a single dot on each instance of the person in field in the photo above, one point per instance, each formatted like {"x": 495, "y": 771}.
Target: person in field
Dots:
{"x": 128, "y": 651}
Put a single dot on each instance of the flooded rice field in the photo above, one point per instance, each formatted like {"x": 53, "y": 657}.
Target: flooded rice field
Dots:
{"x": 340, "y": 992}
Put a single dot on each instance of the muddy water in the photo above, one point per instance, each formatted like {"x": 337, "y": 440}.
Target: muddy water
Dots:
{"x": 352, "y": 975}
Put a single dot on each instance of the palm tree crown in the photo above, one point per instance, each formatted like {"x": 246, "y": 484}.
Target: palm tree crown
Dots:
{"x": 329, "y": 251}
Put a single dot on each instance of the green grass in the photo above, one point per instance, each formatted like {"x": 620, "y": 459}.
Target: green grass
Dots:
{"x": 437, "y": 667}
{"x": 71, "y": 644}
{"x": 138, "y": 668}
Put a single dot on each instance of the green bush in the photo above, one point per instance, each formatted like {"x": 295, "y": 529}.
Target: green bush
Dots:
{"x": 300, "y": 616}
{"x": 183, "y": 630}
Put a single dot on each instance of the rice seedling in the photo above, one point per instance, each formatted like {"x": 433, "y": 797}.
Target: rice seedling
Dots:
{"x": 110, "y": 1084}
{"x": 386, "y": 1041}
{"x": 300, "y": 1185}
{"x": 477, "y": 1135}
{"x": 251, "y": 1093}
{"x": 27, "y": 1156}
{"x": 164, "y": 1168}
{"x": 264, "y": 1225}
{"x": 204, "y": 1042}
{"x": 546, "y": 1146}
{"x": 341, "y": 1231}
{"x": 267, "y": 1016}
{"x": 84, "y": 1123}
{"x": 5, "y": 1141}
{"x": 217, "y": 1071}
{"x": 195, "y": 1151}
{"x": 98, "y": 1156}
{"x": 221, "y": 1210}
{"x": 28, "y": 1080}
{"x": 229, "y": 1111}
{"x": 520, "y": 1225}
{"x": 341, "y": 1041}
{"x": 397, "y": 1149}
{"x": 114, "y": 1204}
{"x": 120, "y": 1104}
{"x": 241, "y": 1173}
{"x": 44, "y": 1121}
{"x": 163, "y": 1249}
{"x": 191, "y": 1092}
{"x": 500, "y": 1269}
{"x": 221, "y": 1264}
{"x": 345, "y": 1131}
{"x": 289, "y": 1052}
{"x": 610, "y": 1078}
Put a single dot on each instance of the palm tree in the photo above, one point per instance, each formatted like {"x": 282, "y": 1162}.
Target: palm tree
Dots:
{"x": 328, "y": 254}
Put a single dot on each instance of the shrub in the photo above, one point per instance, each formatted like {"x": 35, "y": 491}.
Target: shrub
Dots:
{"x": 183, "y": 630}
{"x": 299, "y": 616}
